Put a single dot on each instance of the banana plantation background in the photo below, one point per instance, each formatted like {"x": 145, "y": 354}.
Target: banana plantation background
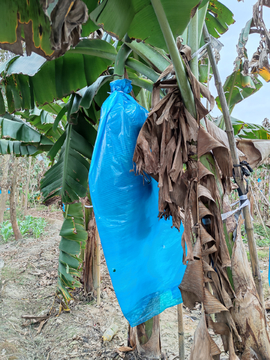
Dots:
{"x": 58, "y": 59}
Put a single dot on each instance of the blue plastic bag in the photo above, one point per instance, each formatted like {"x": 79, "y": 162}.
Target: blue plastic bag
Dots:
{"x": 143, "y": 254}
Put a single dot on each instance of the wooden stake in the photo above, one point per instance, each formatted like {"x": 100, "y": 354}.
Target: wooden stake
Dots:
{"x": 238, "y": 172}
{"x": 96, "y": 267}
{"x": 181, "y": 338}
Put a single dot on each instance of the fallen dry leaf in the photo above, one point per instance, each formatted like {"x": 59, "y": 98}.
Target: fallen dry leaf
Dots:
{"x": 126, "y": 348}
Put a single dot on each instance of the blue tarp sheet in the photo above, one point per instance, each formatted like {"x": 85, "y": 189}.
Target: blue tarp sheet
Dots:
{"x": 143, "y": 254}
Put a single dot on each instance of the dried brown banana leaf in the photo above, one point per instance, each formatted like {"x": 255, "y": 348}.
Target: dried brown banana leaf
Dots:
{"x": 248, "y": 312}
{"x": 170, "y": 148}
{"x": 202, "y": 347}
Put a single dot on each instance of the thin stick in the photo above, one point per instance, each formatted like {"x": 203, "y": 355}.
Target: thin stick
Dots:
{"x": 238, "y": 172}
{"x": 96, "y": 267}
{"x": 181, "y": 338}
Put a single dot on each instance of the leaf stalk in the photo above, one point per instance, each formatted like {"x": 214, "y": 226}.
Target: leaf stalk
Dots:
{"x": 178, "y": 63}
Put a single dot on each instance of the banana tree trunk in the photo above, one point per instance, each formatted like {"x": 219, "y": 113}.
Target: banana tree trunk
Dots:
{"x": 27, "y": 187}
{"x": 91, "y": 275}
{"x": 146, "y": 338}
{"x": 89, "y": 252}
{"x": 4, "y": 186}
{"x": 96, "y": 266}
{"x": 12, "y": 199}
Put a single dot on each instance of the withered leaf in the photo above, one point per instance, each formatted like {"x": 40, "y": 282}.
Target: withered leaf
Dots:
{"x": 211, "y": 304}
{"x": 192, "y": 283}
{"x": 248, "y": 312}
{"x": 206, "y": 143}
{"x": 201, "y": 349}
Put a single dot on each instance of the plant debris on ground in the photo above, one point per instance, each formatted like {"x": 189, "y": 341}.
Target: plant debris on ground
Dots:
{"x": 28, "y": 276}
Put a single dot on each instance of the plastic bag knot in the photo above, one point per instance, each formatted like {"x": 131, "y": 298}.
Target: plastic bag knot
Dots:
{"x": 121, "y": 85}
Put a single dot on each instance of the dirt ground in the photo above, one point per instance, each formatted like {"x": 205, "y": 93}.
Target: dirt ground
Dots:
{"x": 28, "y": 275}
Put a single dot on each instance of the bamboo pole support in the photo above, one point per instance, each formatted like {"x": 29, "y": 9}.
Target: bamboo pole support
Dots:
{"x": 238, "y": 173}
{"x": 181, "y": 334}
{"x": 96, "y": 267}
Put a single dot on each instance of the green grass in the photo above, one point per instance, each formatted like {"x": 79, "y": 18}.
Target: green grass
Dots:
{"x": 29, "y": 227}
{"x": 262, "y": 254}
{"x": 8, "y": 272}
{"x": 259, "y": 230}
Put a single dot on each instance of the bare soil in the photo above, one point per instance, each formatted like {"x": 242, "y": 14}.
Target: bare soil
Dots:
{"x": 28, "y": 276}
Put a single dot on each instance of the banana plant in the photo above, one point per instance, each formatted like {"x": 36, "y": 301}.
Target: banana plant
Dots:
{"x": 20, "y": 138}
{"x": 51, "y": 29}
{"x": 33, "y": 81}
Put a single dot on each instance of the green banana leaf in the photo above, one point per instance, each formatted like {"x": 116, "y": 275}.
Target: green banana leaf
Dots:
{"x": 67, "y": 181}
{"x": 18, "y": 148}
{"x": 22, "y": 139}
{"x": 243, "y": 38}
{"x": 84, "y": 97}
{"x": 68, "y": 178}
{"x": 26, "y": 19}
{"x": 53, "y": 108}
{"x": 249, "y": 131}
{"x": 73, "y": 239}
{"x": 152, "y": 56}
{"x": 26, "y": 83}
{"x": 89, "y": 26}
{"x": 138, "y": 19}
{"x": 238, "y": 87}
{"x": 41, "y": 25}
{"x": 43, "y": 121}
{"x": 16, "y": 129}
{"x": 218, "y": 18}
